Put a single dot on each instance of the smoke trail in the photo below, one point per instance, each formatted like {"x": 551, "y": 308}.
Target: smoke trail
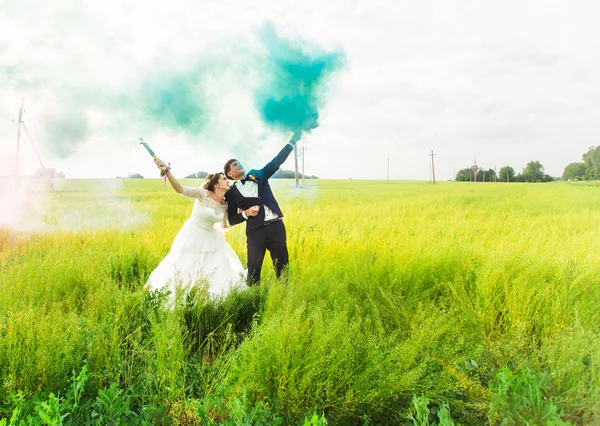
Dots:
{"x": 35, "y": 209}
{"x": 291, "y": 93}
{"x": 108, "y": 208}
{"x": 27, "y": 204}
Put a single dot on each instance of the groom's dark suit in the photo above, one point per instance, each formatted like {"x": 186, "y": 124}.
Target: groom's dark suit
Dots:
{"x": 261, "y": 235}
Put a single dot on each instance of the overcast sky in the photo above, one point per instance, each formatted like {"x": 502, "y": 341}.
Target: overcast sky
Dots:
{"x": 502, "y": 83}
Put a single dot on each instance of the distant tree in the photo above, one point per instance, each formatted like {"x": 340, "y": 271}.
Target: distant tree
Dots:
{"x": 48, "y": 173}
{"x": 591, "y": 159}
{"x": 135, "y": 176}
{"x": 200, "y": 175}
{"x": 534, "y": 172}
{"x": 463, "y": 175}
{"x": 485, "y": 175}
{"x": 290, "y": 174}
{"x": 574, "y": 171}
{"x": 285, "y": 174}
{"x": 507, "y": 174}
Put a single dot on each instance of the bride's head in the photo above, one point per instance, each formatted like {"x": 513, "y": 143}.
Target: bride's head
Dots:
{"x": 216, "y": 181}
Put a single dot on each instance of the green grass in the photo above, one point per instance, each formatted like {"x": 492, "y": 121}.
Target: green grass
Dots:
{"x": 405, "y": 302}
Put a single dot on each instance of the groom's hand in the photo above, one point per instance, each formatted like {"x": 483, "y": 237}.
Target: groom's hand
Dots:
{"x": 252, "y": 211}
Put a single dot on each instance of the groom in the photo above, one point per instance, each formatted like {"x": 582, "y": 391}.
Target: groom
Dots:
{"x": 264, "y": 222}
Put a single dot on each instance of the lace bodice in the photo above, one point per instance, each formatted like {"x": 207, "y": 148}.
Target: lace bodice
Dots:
{"x": 206, "y": 211}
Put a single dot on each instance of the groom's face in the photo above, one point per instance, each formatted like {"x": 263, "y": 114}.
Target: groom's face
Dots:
{"x": 236, "y": 170}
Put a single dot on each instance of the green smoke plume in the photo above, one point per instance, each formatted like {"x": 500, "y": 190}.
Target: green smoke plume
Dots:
{"x": 291, "y": 93}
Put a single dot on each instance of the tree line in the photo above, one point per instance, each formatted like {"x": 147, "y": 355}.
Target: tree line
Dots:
{"x": 533, "y": 172}
{"x": 281, "y": 174}
{"x": 48, "y": 173}
{"x": 588, "y": 169}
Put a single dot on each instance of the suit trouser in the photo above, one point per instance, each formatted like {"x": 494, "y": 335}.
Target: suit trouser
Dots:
{"x": 270, "y": 237}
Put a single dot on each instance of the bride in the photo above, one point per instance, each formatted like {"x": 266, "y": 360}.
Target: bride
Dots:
{"x": 200, "y": 254}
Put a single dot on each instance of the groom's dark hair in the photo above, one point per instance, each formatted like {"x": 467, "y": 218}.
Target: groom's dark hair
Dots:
{"x": 227, "y": 167}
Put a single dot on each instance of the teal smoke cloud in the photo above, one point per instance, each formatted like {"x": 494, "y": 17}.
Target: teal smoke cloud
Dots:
{"x": 292, "y": 89}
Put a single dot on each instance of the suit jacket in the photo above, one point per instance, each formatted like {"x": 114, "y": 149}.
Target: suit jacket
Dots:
{"x": 234, "y": 198}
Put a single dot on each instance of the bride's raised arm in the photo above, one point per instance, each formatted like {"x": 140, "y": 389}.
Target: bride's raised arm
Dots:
{"x": 183, "y": 190}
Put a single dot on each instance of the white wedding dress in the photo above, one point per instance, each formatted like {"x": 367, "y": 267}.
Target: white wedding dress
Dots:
{"x": 200, "y": 254}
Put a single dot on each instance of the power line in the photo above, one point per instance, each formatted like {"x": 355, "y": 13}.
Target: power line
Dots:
{"x": 38, "y": 155}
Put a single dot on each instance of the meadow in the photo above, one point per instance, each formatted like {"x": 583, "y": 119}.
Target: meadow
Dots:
{"x": 405, "y": 303}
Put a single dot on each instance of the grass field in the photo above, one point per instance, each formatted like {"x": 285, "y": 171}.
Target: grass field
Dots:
{"x": 405, "y": 303}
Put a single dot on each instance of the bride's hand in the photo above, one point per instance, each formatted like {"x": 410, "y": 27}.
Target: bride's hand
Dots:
{"x": 252, "y": 211}
{"x": 160, "y": 164}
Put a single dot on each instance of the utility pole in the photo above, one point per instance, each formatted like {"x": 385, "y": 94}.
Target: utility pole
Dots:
{"x": 303, "y": 154}
{"x": 388, "y": 169}
{"x": 495, "y": 174}
{"x": 432, "y": 166}
{"x": 296, "y": 165}
{"x": 475, "y": 169}
{"x": 21, "y": 124}
{"x": 18, "y": 123}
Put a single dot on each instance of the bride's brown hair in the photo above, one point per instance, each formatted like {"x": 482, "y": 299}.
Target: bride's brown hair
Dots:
{"x": 211, "y": 180}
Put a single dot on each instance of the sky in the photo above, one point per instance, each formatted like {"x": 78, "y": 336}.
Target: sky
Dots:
{"x": 499, "y": 83}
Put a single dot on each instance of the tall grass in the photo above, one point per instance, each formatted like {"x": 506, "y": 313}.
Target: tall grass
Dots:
{"x": 402, "y": 300}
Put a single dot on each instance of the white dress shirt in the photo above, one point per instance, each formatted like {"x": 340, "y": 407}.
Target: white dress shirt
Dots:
{"x": 250, "y": 189}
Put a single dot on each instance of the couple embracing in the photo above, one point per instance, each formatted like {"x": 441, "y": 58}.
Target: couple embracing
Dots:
{"x": 200, "y": 253}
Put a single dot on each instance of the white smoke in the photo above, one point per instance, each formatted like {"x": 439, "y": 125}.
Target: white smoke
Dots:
{"x": 307, "y": 191}
{"x": 24, "y": 203}
{"x": 31, "y": 205}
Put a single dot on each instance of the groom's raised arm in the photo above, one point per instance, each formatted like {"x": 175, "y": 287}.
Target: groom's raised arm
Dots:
{"x": 280, "y": 158}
